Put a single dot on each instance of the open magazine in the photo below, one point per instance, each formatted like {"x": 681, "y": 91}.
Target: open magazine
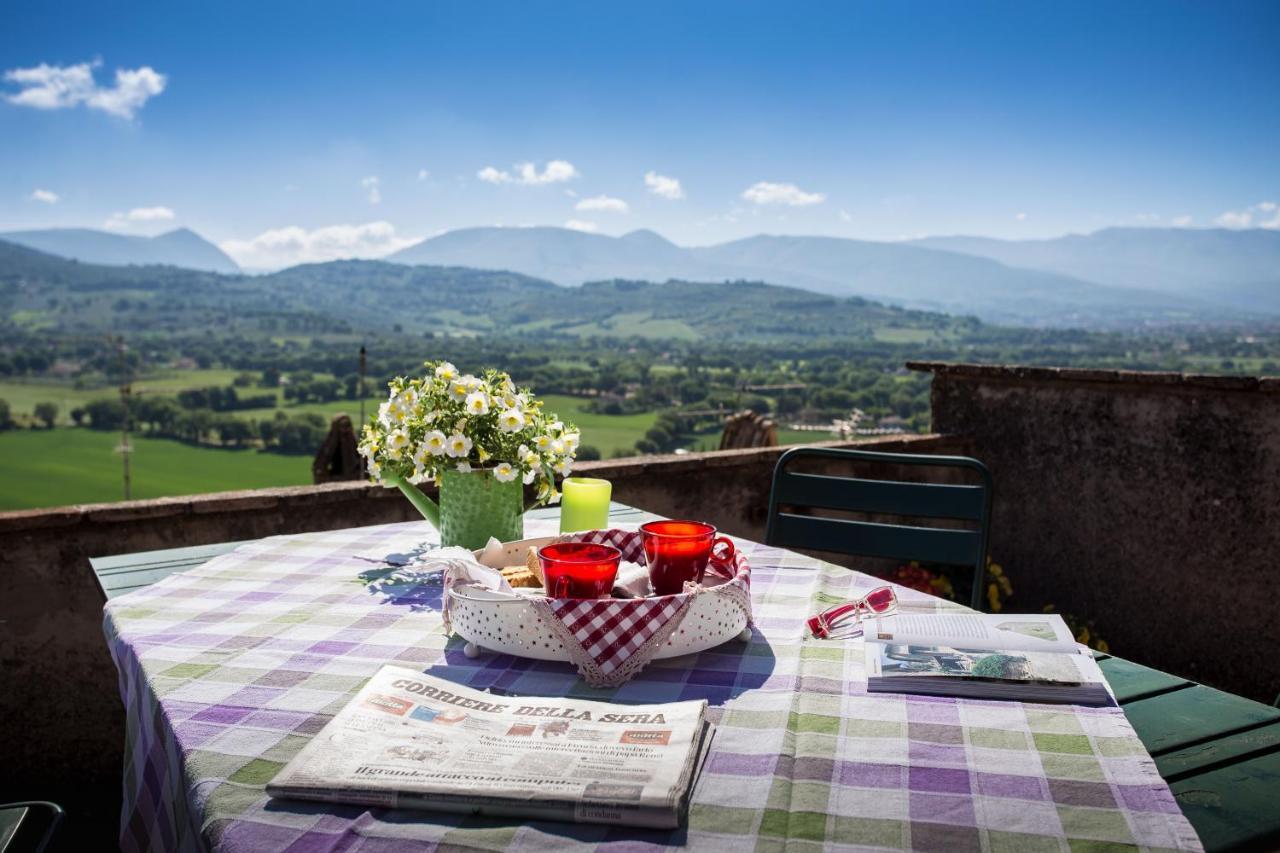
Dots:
{"x": 1029, "y": 657}
{"x": 409, "y": 740}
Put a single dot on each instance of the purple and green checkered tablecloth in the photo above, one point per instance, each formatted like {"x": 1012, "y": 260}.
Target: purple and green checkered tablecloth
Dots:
{"x": 226, "y": 670}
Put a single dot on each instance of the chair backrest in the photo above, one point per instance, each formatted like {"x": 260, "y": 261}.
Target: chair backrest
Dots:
{"x": 946, "y": 545}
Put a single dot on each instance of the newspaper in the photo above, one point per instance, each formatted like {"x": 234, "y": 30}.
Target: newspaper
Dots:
{"x": 409, "y": 740}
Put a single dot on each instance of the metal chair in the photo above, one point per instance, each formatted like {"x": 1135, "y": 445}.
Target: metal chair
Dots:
{"x": 28, "y": 827}
{"x": 948, "y": 546}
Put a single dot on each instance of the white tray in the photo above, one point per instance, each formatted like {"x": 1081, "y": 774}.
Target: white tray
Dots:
{"x": 494, "y": 622}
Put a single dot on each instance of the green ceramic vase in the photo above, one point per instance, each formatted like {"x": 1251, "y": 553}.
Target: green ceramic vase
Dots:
{"x": 473, "y": 506}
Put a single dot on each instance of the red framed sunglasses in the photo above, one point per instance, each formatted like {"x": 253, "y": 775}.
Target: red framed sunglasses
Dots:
{"x": 842, "y": 619}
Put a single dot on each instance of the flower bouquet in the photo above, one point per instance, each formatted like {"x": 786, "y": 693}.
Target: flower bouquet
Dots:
{"x": 480, "y": 438}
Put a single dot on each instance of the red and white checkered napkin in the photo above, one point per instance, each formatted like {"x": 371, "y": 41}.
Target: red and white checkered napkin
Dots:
{"x": 611, "y": 639}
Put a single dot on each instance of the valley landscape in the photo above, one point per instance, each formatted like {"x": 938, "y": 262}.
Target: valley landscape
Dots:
{"x": 645, "y": 345}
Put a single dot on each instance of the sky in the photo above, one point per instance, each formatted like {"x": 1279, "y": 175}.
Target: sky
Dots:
{"x": 289, "y": 132}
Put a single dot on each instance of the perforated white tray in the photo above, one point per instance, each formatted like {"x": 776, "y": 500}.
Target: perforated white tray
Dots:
{"x": 495, "y": 622}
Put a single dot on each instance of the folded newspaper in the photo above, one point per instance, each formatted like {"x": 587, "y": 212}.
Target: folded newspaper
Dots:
{"x": 409, "y": 740}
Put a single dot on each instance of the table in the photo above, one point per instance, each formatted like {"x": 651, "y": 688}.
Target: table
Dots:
{"x": 229, "y": 667}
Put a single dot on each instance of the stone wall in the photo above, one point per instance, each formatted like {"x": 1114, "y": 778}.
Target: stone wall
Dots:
{"x": 1146, "y": 502}
{"x": 63, "y": 723}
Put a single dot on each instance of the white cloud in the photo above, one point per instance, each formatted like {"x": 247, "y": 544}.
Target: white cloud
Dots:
{"x": 1147, "y": 217}
{"x": 765, "y": 192}
{"x": 370, "y": 184}
{"x": 1236, "y": 219}
{"x": 1264, "y": 214}
{"x": 1021, "y": 216}
{"x": 423, "y": 174}
{"x": 282, "y": 247}
{"x": 555, "y": 172}
{"x": 604, "y": 203}
{"x": 149, "y": 214}
{"x": 1183, "y": 221}
{"x": 581, "y": 225}
{"x": 663, "y": 186}
{"x": 119, "y": 219}
{"x": 59, "y": 87}
{"x": 845, "y": 217}
{"x": 46, "y": 196}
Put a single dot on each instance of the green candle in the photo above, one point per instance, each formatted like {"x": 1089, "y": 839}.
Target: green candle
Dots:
{"x": 584, "y": 504}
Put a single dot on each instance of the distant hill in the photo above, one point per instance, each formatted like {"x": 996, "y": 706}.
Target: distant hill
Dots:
{"x": 179, "y": 248}
{"x": 1235, "y": 268}
{"x": 54, "y": 295}
{"x": 914, "y": 276}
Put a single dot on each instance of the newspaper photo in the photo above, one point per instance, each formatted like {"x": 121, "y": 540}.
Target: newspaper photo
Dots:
{"x": 409, "y": 740}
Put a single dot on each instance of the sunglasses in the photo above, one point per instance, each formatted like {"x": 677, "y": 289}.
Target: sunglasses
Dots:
{"x": 843, "y": 620}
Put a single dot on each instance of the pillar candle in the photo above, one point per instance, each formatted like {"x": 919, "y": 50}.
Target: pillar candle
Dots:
{"x": 584, "y": 504}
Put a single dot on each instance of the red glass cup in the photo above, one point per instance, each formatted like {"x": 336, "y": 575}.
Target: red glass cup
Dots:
{"x": 679, "y": 551}
{"x": 579, "y": 569}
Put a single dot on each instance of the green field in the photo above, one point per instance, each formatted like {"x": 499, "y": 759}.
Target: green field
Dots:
{"x": 23, "y": 396}
{"x": 65, "y": 466}
{"x": 606, "y": 433}
{"x": 69, "y": 466}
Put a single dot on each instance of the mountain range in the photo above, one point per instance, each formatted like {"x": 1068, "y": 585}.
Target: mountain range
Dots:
{"x": 179, "y": 248}
{"x": 1113, "y": 278}
{"x": 44, "y": 295}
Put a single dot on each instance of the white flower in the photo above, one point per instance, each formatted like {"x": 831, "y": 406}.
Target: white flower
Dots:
{"x": 543, "y": 442}
{"x": 397, "y": 411}
{"x": 397, "y": 443}
{"x": 420, "y": 457}
{"x": 511, "y": 400}
{"x": 434, "y": 442}
{"x": 571, "y": 440}
{"x": 512, "y": 420}
{"x": 555, "y": 426}
{"x": 504, "y": 473}
{"x": 473, "y": 383}
{"x": 557, "y": 446}
{"x": 458, "y": 445}
{"x": 384, "y": 414}
{"x": 447, "y": 371}
{"x": 463, "y": 467}
{"x": 477, "y": 403}
{"x": 530, "y": 476}
{"x": 375, "y": 470}
{"x": 563, "y": 467}
{"x": 458, "y": 390}
{"x": 528, "y": 458}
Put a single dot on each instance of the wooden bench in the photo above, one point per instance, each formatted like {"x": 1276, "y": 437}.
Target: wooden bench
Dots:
{"x": 1219, "y": 753}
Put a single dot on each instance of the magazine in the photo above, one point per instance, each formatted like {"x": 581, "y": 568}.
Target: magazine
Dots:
{"x": 1032, "y": 658}
{"x": 409, "y": 740}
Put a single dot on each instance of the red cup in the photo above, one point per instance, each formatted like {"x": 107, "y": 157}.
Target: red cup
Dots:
{"x": 579, "y": 569}
{"x": 679, "y": 551}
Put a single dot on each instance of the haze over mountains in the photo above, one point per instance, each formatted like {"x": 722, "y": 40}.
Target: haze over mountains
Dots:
{"x": 179, "y": 248}
{"x": 1117, "y": 277}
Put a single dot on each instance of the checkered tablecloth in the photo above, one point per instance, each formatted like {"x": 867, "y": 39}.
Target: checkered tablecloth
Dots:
{"x": 226, "y": 670}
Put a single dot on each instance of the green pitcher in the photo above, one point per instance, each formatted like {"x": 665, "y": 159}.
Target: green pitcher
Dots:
{"x": 473, "y": 506}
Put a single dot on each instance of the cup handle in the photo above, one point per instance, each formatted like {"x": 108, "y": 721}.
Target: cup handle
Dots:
{"x": 722, "y": 553}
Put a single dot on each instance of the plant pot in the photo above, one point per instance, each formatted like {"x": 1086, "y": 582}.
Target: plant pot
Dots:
{"x": 473, "y": 507}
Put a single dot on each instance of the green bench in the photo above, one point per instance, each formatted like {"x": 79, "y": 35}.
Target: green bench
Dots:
{"x": 1219, "y": 753}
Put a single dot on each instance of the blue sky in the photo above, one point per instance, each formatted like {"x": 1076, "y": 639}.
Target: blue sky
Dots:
{"x": 302, "y": 131}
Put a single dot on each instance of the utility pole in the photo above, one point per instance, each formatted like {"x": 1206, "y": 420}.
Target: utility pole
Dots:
{"x": 361, "y": 391}
{"x": 126, "y": 392}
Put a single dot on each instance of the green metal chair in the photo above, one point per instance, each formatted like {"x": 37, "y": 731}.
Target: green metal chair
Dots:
{"x": 943, "y": 545}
